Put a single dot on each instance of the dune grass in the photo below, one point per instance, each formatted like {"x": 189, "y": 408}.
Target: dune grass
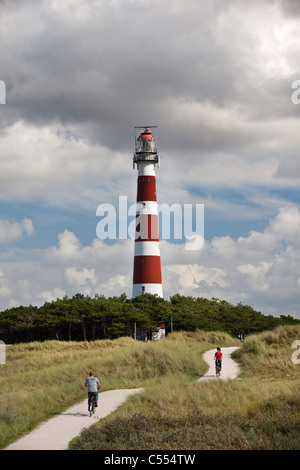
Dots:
{"x": 41, "y": 379}
{"x": 259, "y": 410}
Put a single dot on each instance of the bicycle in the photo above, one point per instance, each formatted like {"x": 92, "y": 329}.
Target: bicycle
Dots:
{"x": 92, "y": 402}
{"x": 218, "y": 367}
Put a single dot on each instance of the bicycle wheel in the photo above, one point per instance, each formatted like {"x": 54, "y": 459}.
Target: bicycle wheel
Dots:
{"x": 92, "y": 405}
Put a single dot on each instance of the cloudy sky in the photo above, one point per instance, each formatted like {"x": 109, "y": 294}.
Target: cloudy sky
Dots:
{"x": 216, "y": 77}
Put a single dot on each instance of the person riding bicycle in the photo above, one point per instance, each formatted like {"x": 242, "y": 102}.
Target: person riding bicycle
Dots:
{"x": 93, "y": 385}
{"x": 218, "y": 357}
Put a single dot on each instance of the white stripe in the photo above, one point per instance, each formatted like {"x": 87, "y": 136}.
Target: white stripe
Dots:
{"x": 149, "y": 289}
{"x": 147, "y": 207}
{"x": 146, "y": 249}
{"x": 146, "y": 169}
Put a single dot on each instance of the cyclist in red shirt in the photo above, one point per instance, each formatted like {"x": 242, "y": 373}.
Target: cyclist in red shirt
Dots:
{"x": 219, "y": 357}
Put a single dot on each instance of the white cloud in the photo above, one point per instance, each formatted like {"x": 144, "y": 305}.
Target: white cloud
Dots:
{"x": 69, "y": 248}
{"x": 5, "y": 292}
{"x": 256, "y": 275}
{"x": 10, "y": 231}
{"x": 261, "y": 26}
{"x": 261, "y": 269}
{"x": 286, "y": 224}
{"x": 120, "y": 282}
{"x": 51, "y": 164}
{"x": 69, "y": 143}
{"x": 49, "y": 296}
{"x": 82, "y": 281}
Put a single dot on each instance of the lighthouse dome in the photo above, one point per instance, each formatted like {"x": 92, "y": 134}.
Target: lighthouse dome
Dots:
{"x": 145, "y": 142}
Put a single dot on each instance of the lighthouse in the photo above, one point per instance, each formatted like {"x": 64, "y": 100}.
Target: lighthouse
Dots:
{"x": 147, "y": 266}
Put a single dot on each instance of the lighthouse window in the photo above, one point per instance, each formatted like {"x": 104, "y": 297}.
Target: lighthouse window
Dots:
{"x": 147, "y": 145}
{"x": 143, "y": 145}
{"x": 143, "y": 260}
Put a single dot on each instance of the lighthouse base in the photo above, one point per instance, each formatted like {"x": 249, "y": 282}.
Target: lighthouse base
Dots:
{"x": 139, "y": 289}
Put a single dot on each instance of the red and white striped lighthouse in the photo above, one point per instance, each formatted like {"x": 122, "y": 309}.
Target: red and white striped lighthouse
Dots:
{"x": 147, "y": 266}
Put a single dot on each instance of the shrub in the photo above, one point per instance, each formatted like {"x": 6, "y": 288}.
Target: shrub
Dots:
{"x": 272, "y": 427}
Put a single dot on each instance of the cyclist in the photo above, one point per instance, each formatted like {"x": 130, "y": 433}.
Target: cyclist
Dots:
{"x": 218, "y": 357}
{"x": 93, "y": 385}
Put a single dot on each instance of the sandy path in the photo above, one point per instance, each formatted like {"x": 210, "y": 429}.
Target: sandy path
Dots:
{"x": 230, "y": 368}
{"x": 56, "y": 433}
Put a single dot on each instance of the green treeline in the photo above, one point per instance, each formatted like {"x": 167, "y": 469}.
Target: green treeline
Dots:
{"x": 82, "y": 318}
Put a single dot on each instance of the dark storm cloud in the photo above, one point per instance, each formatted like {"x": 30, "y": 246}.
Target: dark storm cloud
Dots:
{"x": 116, "y": 68}
{"x": 291, "y": 7}
{"x": 107, "y": 66}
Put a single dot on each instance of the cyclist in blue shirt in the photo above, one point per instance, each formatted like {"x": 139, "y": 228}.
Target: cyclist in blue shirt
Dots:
{"x": 93, "y": 385}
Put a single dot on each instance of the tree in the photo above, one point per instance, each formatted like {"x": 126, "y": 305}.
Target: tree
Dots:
{"x": 85, "y": 318}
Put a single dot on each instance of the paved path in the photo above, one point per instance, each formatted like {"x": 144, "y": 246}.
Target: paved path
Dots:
{"x": 230, "y": 368}
{"x": 56, "y": 433}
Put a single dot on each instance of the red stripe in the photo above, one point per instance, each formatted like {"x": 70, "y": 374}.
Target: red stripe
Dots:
{"x": 146, "y": 189}
{"x": 146, "y": 228}
{"x": 147, "y": 270}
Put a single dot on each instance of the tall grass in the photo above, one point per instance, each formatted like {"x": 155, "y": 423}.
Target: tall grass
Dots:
{"x": 260, "y": 410}
{"x": 276, "y": 430}
{"x": 41, "y": 379}
{"x": 268, "y": 355}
